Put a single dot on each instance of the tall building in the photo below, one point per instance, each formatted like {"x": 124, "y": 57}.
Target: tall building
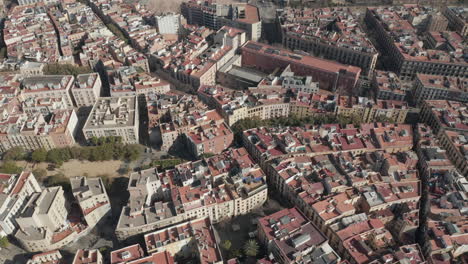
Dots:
{"x": 330, "y": 75}
{"x": 92, "y": 198}
{"x": 168, "y": 23}
{"x": 114, "y": 116}
{"x": 42, "y": 218}
{"x": 86, "y": 89}
{"x": 457, "y": 18}
{"x": 214, "y": 16}
{"x": 437, "y": 22}
{"x": 15, "y": 192}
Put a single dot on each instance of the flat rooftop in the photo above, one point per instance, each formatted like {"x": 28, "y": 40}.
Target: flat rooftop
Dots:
{"x": 109, "y": 112}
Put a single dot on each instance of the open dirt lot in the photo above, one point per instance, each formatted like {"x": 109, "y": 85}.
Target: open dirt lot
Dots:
{"x": 74, "y": 168}
{"x": 79, "y": 168}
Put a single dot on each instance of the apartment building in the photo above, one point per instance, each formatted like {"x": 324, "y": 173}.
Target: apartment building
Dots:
{"x": 457, "y": 18}
{"x": 43, "y": 106}
{"x": 388, "y": 86}
{"x": 47, "y": 209}
{"x": 397, "y": 34}
{"x": 331, "y": 76}
{"x": 15, "y": 192}
{"x": 194, "y": 63}
{"x": 456, "y": 144}
{"x": 126, "y": 254}
{"x": 445, "y": 240}
{"x": 114, "y": 116}
{"x": 134, "y": 255}
{"x": 49, "y": 257}
{"x": 184, "y": 121}
{"x": 171, "y": 105}
{"x": 292, "y": 238}
{"x": 199, "y": 189}
{"x": 437, "y": 23}
{"x": 316, "y": 104}
{"x": 29, "y": 33}
{"x": 31, "y": 2}
{"x": 369, "y": 110}
{"x": 30, "y": 68}
{"x": 443, "y": 115}
{"x": 168, "y": 23}
{"x": 381, "y": 196}
{"x": 44, "y": 86}
{"x": 86, "y": 89}
{"x": 266, "y": 144}
{"x": 127, "y": 81}
{"x": 32, "y": 131}
{"x": 210, "y": 138}
{"x": 145, "y": 84}
{"x": 366, "y": 235}
{"x": 184, "y": 239}
{"x": 92, "y": 198}
{"x": 88, "y": 256}
{"x": 216, "y": 15}
{"x": 331, "y": 33}
{"x": 120, "y": 81}
{"x": 263, "y": 103}
{"x": 41, "y": 220}
{"x": 438, "y": 87}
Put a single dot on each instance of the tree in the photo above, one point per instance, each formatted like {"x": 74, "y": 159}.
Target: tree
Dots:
{"x": 132, "y": 152}
{"x": 75, "y": 152}
{"x": 251, "y": 248}
{"x": 207, "y": 155}
{"x": 55, "y": 156}
{"x": 40, "y": 173}
{"x": 384, "y": 119}
{"x": 15, "y": 153}
{"x": 10, "y": 167}
{"x": 4, "y": 242}
{"x": 68, "y": 69}
{"x": 59, "y": 180}
{"x": 94, "y": 141}
{"x": 39, "y": 155}
{"x": 235, "y": 253}
{"x": 226, "y": 245}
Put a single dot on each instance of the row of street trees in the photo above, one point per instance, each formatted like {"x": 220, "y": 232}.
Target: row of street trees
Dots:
{"x": 342, "y": 120}
{"x": 106, "y": 148}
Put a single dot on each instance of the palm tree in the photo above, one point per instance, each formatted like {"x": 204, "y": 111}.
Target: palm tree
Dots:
{"x": 251, "y": 248}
